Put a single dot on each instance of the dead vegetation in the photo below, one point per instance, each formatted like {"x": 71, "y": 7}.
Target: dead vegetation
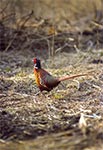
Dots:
{"x": 70, "y": 116}
{"x": 55, "y": 116}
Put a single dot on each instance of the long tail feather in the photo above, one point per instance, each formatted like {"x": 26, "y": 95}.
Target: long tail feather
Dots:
{"x": 71, "y": 77}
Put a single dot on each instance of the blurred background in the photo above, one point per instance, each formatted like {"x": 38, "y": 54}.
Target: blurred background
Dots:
{"x": 58, "y": 11}
{"x": 53, "y": 26}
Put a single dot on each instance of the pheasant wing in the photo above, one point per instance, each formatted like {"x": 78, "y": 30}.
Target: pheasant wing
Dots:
{"x": 48, "y": 80}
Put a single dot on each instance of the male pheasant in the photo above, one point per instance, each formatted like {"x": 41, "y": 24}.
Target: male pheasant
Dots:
{"x": 45, "y": 81}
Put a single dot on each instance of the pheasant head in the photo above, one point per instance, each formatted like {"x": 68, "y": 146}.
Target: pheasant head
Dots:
{"x": 37, "y": 63}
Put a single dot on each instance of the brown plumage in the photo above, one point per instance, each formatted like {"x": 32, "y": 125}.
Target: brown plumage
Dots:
{"x": 45, "y": 81}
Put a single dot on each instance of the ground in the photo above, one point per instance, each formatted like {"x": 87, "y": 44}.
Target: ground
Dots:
{"x": 68, "y": 38}
{"x": 51, "y": 121}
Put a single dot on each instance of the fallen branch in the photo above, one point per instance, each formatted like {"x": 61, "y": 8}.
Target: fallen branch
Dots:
{"x": 21, "y": 23}
{"x": 10, "y": 43}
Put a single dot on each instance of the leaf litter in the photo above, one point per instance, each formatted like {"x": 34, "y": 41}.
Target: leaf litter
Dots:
{"x": 68, "y": 116}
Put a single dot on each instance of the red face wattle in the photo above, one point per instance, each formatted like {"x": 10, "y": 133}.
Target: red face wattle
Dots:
{"x": 35, "y": 60}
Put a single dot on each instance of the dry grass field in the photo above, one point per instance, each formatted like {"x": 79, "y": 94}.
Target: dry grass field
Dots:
{"x": 67, "y": 35}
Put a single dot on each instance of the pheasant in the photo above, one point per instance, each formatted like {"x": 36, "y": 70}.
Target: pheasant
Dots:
{"x": 45, "y": 81}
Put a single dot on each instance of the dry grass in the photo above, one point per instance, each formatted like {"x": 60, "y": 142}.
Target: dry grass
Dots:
{"x": 67, "y": 40}
{"x": 53, "y": 119}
